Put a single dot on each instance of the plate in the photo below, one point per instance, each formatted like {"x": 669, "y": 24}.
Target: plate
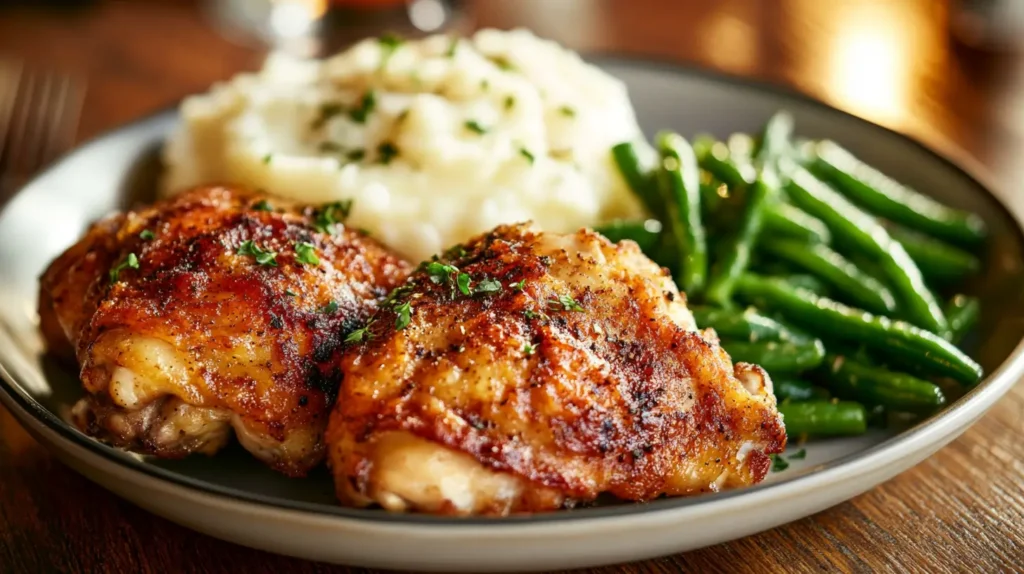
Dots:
{"x": 234, "y": 498}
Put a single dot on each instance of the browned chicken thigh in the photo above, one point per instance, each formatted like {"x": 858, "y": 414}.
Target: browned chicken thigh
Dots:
{"x": 526, "y": 371}
{"x": 214, "y": 311}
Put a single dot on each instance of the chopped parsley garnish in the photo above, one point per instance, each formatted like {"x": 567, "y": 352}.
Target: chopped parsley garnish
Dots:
{"x": 327, "y": 111}
{"x": 519, "y": 286}
{"x": 146, "y": 235}
{"x": 565, "y": 303}
{"x": 401, "y": 116}
{"x": 453, "y": 46}
{"x": 463, "y": 282}
{"x": 526, "y": 153}
{"x": 366, "y": 107}
{"x": 510, "y": 102}
{"x": 329, "y": 147}
{"x": 392, "y": 299}
{"x": 305, "y": 253}
{"x": 389, "y": 43}
{"x": 262, "y": 205}
{"x": 440, "y": 273}
{"x": 386, "y": 152}
{"x": 799, "y": 455}
{"x": 531, "y": 314}
{"x": 359, "y": 335}
{"x": 267, "y": 158}
{"x": 331, "y": 214}
{"x": 529, "y": 349}
{"x": 503, "y": 63}
{"x": 356, "y": 154}
{"x": 487, "y": 286}
{"x": 404, "y": 312}
{"x": 457, "y": 250}
{"x": 262, "y": 256}
{"x": 485, "y": 85}
{"x": 329, "y": 308}
{"x": 130, "y": 262}
{"x": 474, "y": 126}
{"x": 290, "y": 293}
{"x": 444, "y": 274}
{"x": 779, "y": 464}
{"x": 567, "y": 111}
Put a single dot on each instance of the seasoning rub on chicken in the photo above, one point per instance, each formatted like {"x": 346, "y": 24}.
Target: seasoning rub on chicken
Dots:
{"x": 213, "y": 311}
{"x": 527, "y": 371}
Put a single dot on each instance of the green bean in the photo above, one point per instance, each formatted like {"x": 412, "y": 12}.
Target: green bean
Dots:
{"x": 809, "y": 282}
{"x": 741, "y": 144}
{"x": 732, "y": 164}
{"x": 938, "y": 261}
{"x": 778, "y": 357}
{"x": 741, "y": 153}
{"x": 713, "y": 156}
{"x": 774, "y": 267}
{"x": 832, "y": 267}
{"x": 637, "y": 165}
{"x": 848, "y": 378}
{"x": 680, "y": 181}
{"x": 888, "y": 198}
{"x": 869, "y": 266}
{"x": 848, "y": 223}
{"x": 797, "y": 390}
{"x": 963, "y": 312}
{"x": 710, "y": 198}
{"x": 737, "y": 249}
{"x": 747, "y": 325}
{"x": 766, "y": 265}
{"x": 900, "y": 341}
{"x": 785, "y": 220}
{"x": 823, "y": 418}
{"x": 721, "y": 205}
{"x": 878, "y": 416}
{"x": 731, "y": 179}
{"x": 773, "y": 142}
{"x": 644, "y": 233}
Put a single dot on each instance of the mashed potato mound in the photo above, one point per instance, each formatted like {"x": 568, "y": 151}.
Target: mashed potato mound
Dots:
{"x": 433, "y": 140}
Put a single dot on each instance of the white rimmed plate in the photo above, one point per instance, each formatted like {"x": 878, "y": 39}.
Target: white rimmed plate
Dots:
{"x": 234, "y": 498}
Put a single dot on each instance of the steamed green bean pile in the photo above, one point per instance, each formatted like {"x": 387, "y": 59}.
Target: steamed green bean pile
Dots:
{"x": 839, "y": 281}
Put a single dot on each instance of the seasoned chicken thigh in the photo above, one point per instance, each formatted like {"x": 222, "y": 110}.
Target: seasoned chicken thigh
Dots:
{"x": 527, "y": 371}
{"x": 213, "y": 311}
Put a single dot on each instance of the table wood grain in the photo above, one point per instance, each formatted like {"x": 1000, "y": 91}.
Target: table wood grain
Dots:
{"x": 890, "y": 61}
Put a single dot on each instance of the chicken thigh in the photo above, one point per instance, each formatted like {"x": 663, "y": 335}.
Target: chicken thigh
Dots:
{"x": 529, "y": 371}
{"x": 214, "y": 311}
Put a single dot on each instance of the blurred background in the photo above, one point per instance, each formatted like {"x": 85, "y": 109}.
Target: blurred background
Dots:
{"x": 948, "y": 72}
{"x": 944, "y": 71}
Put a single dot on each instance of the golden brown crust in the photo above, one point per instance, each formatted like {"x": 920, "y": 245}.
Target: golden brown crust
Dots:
{"x": 616, "y": 397}
{"x": 258, "y": 340}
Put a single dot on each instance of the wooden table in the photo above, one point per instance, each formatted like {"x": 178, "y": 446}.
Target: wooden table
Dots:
{"x": 890, "y": 61}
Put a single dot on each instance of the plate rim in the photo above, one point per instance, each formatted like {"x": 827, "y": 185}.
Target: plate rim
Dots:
{"x": 965, "y": 410}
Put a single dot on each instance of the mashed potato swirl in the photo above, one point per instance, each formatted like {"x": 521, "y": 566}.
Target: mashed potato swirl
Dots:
{"x": 433, "y": 140}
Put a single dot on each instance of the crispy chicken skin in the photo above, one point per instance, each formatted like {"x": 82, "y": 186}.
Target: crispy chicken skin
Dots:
{"x": 582, "y": 375}
{"x": 201, "y": 339}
